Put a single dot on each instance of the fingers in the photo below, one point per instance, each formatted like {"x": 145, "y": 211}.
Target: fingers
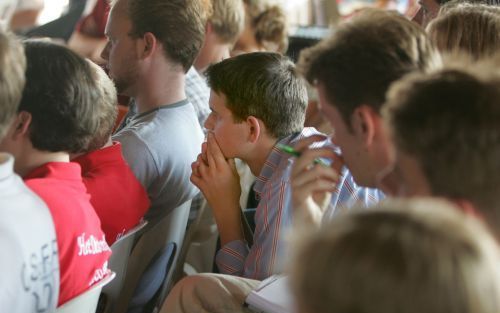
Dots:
{"x": 313, "y": 187}
{"x": 303, "y": 144}
{"x": 307, "y": 158}
{"x": 214, "y": 153}
{"x": 317, "y": 173}
{"x": 195, "y": 175}
{"x": 204, "y": 152}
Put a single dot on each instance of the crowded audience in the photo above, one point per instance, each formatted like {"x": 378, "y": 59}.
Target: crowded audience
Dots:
{"x": 393, "y": 210}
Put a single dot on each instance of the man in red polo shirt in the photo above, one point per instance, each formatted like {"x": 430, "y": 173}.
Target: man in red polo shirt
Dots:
{"x": 56, "y": 117}
{"x": 118, "y": 197}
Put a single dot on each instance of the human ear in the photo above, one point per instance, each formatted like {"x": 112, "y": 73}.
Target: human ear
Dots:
{"x": 146, "y": 45}
{"x": 20, "y": 126}
{"x": 364, "y": 124}
{"x": 254, "y": 128}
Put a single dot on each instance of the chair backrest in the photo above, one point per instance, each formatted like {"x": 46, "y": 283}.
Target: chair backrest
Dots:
{"x": 87, "y": 301}
{"x": 151, "y": 246}
{"x": 188, "y": 239}
{"x": 118, "y": 263}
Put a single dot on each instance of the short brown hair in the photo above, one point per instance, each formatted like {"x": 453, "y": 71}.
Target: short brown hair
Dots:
{"x": 410, "y": 256}
{"x": 106, "y": 107}
{"x": 449, "y": 122}
{"x": 364, "y": 56}
{"x": 269, "y": 23}
{"x": 12, "y": 79}
{"x": 60, "y": 94}
{"x": 470, "y": 28}
{"x": 265, "y": 85}
{"x": 179, "y": 25}
{"x": 227, "y": 19}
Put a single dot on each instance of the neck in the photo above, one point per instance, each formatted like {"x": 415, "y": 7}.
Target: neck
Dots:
{"x": 259, "y": 155}
{"x": 27, "y": 162}
{"x": 161, "y": 84}
{"x": 211, "y": 53}
{"x": 108, "y": 143}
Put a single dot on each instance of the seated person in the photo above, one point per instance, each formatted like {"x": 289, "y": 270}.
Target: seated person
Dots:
{"x": 56, "y": 117}
{"x": 445, "y": 129}
{"x": 403, "y": 47}
{"x": 350, "y": 98}
{"x": 257, "y": 101}
{"x": 429, "y": 9}
{"x": 421, "y": 255}
{"x": 473, "y": 29}
{"x": 30, "y": 277}
{"x": 117, "y": 196}
{"x": 164, "y": 137}
{"x": 222, "y": 29}
{"x": 266, "y": 28}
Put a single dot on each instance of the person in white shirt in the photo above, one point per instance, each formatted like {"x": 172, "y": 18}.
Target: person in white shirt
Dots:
{"x": 30, "y": 266}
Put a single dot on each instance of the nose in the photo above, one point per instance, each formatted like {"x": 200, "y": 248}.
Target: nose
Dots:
{"x": 105, "y": 52}
{"x": 209, "y": 122}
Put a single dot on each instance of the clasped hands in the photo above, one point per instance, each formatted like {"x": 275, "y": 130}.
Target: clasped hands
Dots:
{"x": 219, "y": 182}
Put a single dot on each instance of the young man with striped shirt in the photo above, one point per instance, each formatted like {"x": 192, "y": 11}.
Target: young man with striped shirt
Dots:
{"x": 258, "y": 101}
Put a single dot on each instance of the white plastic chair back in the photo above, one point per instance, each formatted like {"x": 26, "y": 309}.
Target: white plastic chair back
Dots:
{"x": 87, "y": 301}
{"x": 171, "y": 229}
{"x": 118, "y": 263}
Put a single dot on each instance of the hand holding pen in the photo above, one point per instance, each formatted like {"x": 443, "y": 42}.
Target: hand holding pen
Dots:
{"x": 313, "y": 180}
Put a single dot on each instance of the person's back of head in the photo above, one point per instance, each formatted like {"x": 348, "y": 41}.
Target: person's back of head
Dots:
{"x": 264, "y": 85}
{"x": 448, "y": 123}
{"x": 364, "y": 56}
{"x": 469, "y": 28}
{"x": 227, "y": 19}
{"x": 400, "y": 257}
{"x": 12, "y": 78}
{"x": 430, "y": 9}
{"x": 446, "y": 5}
{"x": 60, "y": 96}
{"x": 106, "y": 108}
{"x": 268, "y": 24}
{"x": 179, "y": 25}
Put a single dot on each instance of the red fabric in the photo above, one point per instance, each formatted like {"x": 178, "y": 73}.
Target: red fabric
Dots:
{"x": 94, "y": 24}
{"x": 83, "y": 252}
{"x": 117, "y": 196}
{"x": 122, "y": 112}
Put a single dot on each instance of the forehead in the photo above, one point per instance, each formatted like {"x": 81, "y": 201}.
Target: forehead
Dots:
{"x": 118, "y": 20}
{"x": 217, "y": 100}
{"x": 429, "y": 3}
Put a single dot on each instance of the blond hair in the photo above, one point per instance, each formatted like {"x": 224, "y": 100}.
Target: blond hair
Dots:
{"x": 227, "y": 19}
{"x": 106, "y": 107}
{"x": 269, "y": 23}
{"x": 470, "y": 28}
{"x": 403, "y": 256}
{"x": 12, "y": 78}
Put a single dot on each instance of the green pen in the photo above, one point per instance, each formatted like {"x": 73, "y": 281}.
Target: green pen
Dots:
{"x": 290, "y": 150}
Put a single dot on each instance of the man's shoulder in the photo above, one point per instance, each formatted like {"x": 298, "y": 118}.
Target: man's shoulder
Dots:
{"x": 161, "y": 128}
